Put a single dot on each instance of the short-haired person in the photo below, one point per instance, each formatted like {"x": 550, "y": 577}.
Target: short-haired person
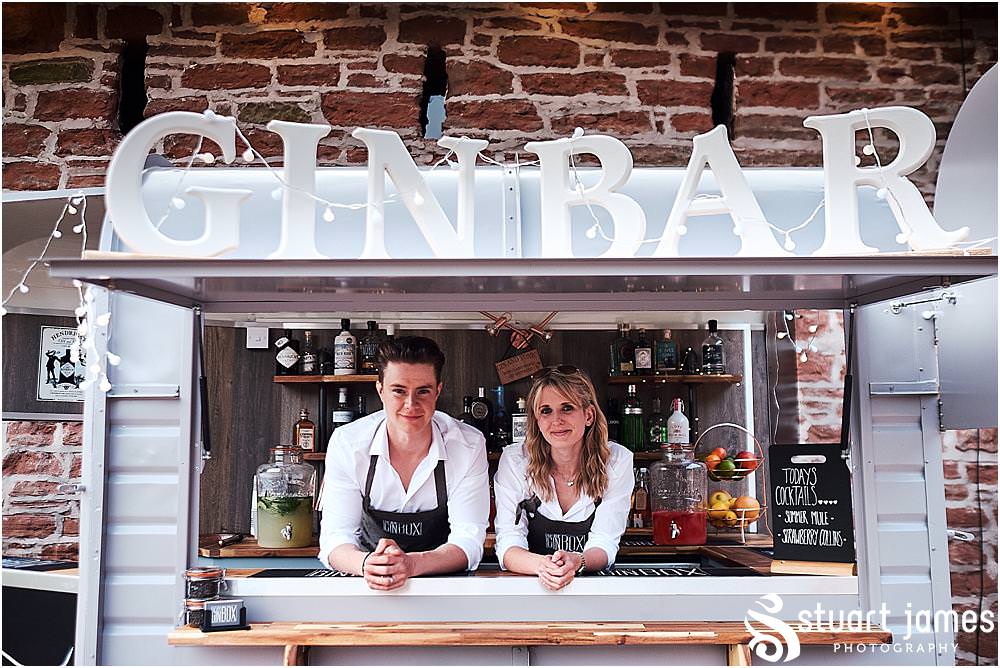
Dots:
{"x": 406, "y": 489}
{"x": 563, "y": 495}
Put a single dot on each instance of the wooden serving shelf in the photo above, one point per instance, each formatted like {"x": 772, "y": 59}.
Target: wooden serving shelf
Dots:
{"x": 327, "y": 378}
{"x": 707, "y": 379}
{"x": 208, "y": 547}
{"x": 298, "y": 637}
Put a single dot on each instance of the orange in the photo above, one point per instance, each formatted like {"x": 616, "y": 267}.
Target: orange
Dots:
{"x": 712, "y": 461}
{"x": 747, "y": 507}
{"x": 720, "y": 453}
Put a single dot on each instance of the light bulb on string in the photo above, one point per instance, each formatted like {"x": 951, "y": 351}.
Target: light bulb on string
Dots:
{"x": 206, "y": 158}
{"x": 113, "y": 360}
{"x": 857, "y": 160}
{"x": 803, "y": 357}
{"x": 577, "y": 133}
{"x": 248, "y": 155}
{"x": 71, "y": 208}
{"x": 105, "y": 384}
{"x": 813, "y": 328}
{"x": 104, "y": 319}
{"x": 56, "y": 234}
{"x": 882, "y": 193}
{"x": 902, "y": 237}
{"x": 77, "y": 199}
{"x": 177, "y": 203}
{"x": 276, "y": 194}
{"x": 781, "y": 335}
{"x": 738, "y": 230}
{"x": 83, "y": 328}
{"x": 682, "y": 230}
{"x": 418, "y": 199}
{"x": 789, "y": 315}
{"x": 208, "y": 113}
{"x": 868, "y": 149}
{"x": 789, "y": 244}
{"x": 22, "y": 288}
{"x": 812, "y": 347}
{"x": 328, "y": 215}
{"x": 80, "y": 311}
{"x": 94, "y": 368}
{"x": 78, "y": 228}
{"x": 592, "y": 232}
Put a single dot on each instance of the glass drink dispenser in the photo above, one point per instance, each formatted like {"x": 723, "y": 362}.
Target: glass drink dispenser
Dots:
{"x": 679, "y": 493}
{"x": 285, "y": 490}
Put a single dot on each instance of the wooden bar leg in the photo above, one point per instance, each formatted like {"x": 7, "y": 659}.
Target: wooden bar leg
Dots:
{"x": 738, "y": 655}
{"x": 296, "y": 655}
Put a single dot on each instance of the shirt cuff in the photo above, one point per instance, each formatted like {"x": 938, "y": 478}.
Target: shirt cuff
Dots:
{"x": 610, "y": 549}
{"x": 328, "y": 544}
{"x": 473, "y": 550}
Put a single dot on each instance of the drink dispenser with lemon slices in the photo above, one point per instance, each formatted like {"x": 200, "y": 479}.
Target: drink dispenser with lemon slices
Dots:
{"x": 285, "y": 488}
{"x": 678, "y": 495}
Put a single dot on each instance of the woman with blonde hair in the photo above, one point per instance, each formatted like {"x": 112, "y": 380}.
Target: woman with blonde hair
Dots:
{"x": 563, "y": 495}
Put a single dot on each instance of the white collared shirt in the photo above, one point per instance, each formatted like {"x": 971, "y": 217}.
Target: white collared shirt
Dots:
{"x": 511, "y": 486}
{"x": 348, "y": 458}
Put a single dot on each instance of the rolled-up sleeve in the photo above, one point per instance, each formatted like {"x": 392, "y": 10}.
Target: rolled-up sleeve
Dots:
{"x": 509, "y": 490}
{"x": 611, "y": 517}
{"x": 469, "y": 507}
{"x": 340, "y": 502}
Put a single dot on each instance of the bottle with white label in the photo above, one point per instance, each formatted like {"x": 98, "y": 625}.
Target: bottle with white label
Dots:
{"x": 309, "y": 363}
{"x": 304, "y": 432}
{"x": 286, "y": 355}
{"x": 342, "y": 412}
{"x": 678, "y": 426}
{"x": 519, "y": 422}
{"x": 345, "y": 351}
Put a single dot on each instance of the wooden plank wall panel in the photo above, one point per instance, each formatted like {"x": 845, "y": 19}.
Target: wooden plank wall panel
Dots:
{"x": 21, "y": 334}
{"x": 250, "y": 413}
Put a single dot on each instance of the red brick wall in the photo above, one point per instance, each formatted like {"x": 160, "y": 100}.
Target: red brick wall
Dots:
{"x": 38, "y": 521}
{"x": 641, "y": 71}
{"x": 821, "y": 382}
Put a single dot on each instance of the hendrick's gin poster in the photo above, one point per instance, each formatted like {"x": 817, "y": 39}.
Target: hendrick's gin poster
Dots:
{"x": 59, "y": 377}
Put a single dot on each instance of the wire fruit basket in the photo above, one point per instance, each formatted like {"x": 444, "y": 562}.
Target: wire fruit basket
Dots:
{"x": 726, "y": 466}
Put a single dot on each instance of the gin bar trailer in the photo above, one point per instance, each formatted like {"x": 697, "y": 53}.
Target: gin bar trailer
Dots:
{"x": 144, "y": 440}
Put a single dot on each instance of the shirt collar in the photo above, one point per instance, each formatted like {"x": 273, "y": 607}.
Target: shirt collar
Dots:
{"x": 380, "y": 442}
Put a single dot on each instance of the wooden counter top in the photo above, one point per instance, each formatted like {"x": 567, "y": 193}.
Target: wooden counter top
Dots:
{"x": 298, "y": 637}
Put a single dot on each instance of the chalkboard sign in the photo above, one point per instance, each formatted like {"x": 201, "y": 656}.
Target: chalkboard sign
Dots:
{"x": 811, "y": 510}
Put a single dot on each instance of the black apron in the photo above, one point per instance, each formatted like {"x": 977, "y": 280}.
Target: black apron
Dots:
{"x": 545, "y": 535}
{"x": 414, "y": 532}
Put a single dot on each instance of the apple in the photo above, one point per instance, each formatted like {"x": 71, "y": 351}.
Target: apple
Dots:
{"x": 746, "y": 461}
{"x": 720, "y": 453}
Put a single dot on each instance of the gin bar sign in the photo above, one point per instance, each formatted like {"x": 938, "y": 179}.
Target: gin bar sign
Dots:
{"x": 387, "y": 156}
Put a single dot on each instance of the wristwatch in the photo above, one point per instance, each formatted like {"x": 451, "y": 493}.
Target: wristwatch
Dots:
{"x": 583, "y": 564}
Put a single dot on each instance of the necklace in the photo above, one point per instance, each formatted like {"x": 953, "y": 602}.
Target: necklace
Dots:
{"x": 569, "y": 482}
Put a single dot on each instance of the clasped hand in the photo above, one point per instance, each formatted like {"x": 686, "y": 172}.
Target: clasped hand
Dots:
{"x": 388, "y": 567}
{"x": 557, "y": 570}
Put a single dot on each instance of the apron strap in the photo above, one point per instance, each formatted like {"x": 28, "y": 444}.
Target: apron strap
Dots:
{"x": 368, "y": 482}
{"x": 441, "y": 484}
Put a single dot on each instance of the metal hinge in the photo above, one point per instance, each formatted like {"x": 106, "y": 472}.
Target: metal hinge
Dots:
{"x": 71, "y": 488}
{"x": 940, "y": 406}
{"x": 905, "y": 387}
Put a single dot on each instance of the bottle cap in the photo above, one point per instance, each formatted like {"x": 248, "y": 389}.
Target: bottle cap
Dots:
{"x": 713, "y": 325}
{"x": 345, "y": 323}
{"x": 372, "y": 324}
{"x": 521, "y": 404}
{"x": 304, "y": 413}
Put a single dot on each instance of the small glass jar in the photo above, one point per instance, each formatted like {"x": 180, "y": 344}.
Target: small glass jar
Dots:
{"x": 286, "y": 487}
{"x": 679, "y": 491}
{"x": 203, "y": 582}
{"x": 194, "y": 611}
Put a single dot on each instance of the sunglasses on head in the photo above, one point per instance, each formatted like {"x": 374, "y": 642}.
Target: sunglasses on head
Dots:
{"x": 564, "y": 369}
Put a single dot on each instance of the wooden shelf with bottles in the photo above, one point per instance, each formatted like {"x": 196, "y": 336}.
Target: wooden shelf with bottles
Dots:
{"x": 678, "y": 379}
{"x": 328, "y": 378}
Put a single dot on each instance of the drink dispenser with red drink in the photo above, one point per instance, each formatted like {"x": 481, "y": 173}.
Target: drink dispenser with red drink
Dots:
{"x": 679, "y": 492}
